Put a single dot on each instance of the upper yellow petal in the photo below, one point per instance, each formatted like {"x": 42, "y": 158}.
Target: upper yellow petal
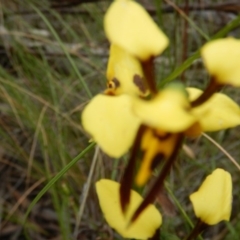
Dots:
{"x": 212, "y": 201}
{"x": 111, "y": 123}
{"x": 219, "y": 112}
{"x": 145, "y": 225}
{"x": 169, "y": 111}
{"x": 124, "y": 73}
{"x": 128, "y": 25}
{"x": 221, "y": 58}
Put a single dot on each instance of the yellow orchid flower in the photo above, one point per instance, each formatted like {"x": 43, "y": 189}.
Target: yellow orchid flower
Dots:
{"x": 128, "y": 25}
{"x": 113, "y": 121}
{"x": 212, "y": 201}
{"x": 143, "y": 228}
{"x": 221, "y": 58}
{"x": 218, "y": 113}
{"x": 124, "y": 73}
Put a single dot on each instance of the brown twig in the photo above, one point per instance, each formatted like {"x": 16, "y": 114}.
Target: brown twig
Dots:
{"x": 231, "y": 7}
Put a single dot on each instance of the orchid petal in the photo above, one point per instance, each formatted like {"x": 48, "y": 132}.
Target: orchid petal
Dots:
{"x": 111, "y": 123}
{"x": 219, "y": 112}
{"x": 146, "y": 224}
{"x": 124, "y": 73}
{"x": 169, "y": 111}
{"x": 127, "y": 24}
{"x": 221, "y": 58}
{"x": 212, "y": 201}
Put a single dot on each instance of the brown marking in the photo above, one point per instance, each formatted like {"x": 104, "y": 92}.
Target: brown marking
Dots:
{"x": 157, "y": 160}
{"x": 148, "y": 69}
{"x": 139, "y": 82}
{"x": 110, "y": 85}
{"x": 116, "y": 82}
{"x": 127, "y": 178}
{"x": 113, "y": 84}
{"x": 162, "y": 136}
{"x": 109, "y": 92}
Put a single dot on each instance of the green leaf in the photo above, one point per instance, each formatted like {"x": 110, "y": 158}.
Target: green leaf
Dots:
{"x": 56, "y": 178}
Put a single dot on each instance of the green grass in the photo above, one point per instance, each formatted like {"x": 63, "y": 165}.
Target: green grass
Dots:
{"x": 52, "y": 63}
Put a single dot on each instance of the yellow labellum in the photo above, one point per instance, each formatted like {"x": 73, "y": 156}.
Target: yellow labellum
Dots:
{"x": 212, "y": 202}
{"x": 221, "y": 58}
{"x": 154, "y": 143}
{"x": 124, "y": 73}
{"x": 145, "y": 225}
{"x": 169, "y": 111}
{"x": 219, "y": 112}
{"x": 128, "y": 25}
{"x": 111, "y": 123}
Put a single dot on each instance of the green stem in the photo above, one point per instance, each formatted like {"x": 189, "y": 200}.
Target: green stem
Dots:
{"x": 186, "y": 64}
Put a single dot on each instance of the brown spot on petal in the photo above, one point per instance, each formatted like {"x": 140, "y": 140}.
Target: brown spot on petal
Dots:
{"x": 113, "y": 84}
{"x": 116, "y": 82}
{"x": 161, "y": 135}
{"x": 139, "y": 82}
{"x": 110, "y": 85}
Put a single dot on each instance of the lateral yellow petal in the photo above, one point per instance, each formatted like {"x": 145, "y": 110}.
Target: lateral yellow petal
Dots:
{"x": 219, "y": 112}
{"x": 169, "y": 111}
{"x": 212, "y": 202}
{"x": 128, "y": 25}
{"x": 221, "y": 58}
{"x": 124, "y": 73}
{"x": 111, "y": 123}
{"x": 144, "y": 227}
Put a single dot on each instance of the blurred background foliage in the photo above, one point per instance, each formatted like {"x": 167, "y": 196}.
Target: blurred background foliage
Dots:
{"x": 53, "y": 60}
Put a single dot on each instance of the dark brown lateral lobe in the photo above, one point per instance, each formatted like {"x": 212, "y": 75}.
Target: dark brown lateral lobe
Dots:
{"x": 139, "y": 82}
{"x": 116, "y": 82}
{"x": 149, "y": 73}
{"x": 127, "y": 178}
{"x": 212, "y": 88}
